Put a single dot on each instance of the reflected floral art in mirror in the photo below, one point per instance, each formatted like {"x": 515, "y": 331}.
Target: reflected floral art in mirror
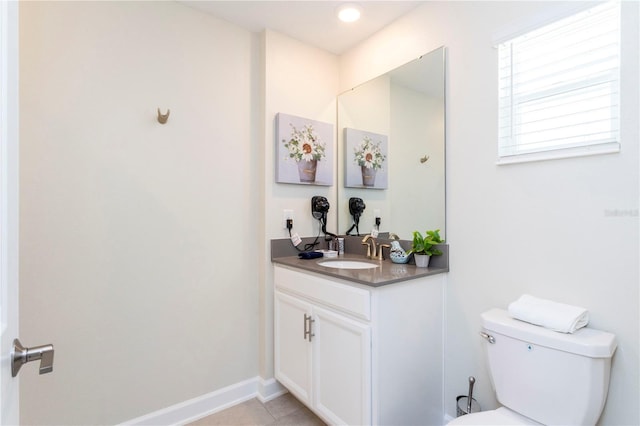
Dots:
{"x": 365, "y": 159}
{"x": 304, "y": 152}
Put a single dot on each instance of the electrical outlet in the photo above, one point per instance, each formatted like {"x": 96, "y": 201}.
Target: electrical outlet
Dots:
{"x": 286, "y": 214}
{"x": 376, "y": 214}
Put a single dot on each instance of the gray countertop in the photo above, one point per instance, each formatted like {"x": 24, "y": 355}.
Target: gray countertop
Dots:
{"x": 385, "y": 273}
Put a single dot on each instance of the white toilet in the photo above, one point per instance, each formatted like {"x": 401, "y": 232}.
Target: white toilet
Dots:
{"x": 542, "y": 376}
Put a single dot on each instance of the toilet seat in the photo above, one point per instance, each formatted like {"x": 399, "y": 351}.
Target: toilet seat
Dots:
{"x": 501, "y": 416}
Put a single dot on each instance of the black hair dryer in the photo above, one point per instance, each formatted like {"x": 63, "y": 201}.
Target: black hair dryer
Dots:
{"x": 319, "y": 207}
{"x": 356, "y": 207}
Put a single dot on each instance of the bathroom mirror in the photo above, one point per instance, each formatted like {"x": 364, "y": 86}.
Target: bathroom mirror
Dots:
{"x": 398, "y": 118}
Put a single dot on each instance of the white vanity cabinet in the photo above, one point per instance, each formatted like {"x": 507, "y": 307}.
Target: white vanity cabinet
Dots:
{"x": 323, "y": 355}
{"x": 360, "y": 355}
{"x": 292, "y": 349}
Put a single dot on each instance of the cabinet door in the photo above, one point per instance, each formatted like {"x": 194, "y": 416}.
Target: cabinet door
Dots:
{"x": 292, "y": 350}
{"x": 342, "y": 368}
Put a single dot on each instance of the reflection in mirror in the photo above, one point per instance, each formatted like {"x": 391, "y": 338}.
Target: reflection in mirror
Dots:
{"x": 407, "y": 106}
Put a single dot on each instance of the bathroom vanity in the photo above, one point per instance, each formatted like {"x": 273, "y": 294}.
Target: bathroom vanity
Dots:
{"x": 365, "y": 346}
{"x": 361, "y": 347}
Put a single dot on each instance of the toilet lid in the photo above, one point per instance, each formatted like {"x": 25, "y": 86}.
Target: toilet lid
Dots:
{"x": 501, "y": 416}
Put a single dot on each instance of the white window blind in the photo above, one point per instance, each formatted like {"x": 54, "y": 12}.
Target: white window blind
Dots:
{"x": 559, "y": 86}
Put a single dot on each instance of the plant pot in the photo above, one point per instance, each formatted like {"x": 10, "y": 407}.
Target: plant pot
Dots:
{"x": 422, "y": 260}
{"x": 307, "y": 170}
{"x": 368, "y": 176}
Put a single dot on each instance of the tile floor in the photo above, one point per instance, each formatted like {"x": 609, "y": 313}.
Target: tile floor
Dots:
{"x": 282, "y": 411}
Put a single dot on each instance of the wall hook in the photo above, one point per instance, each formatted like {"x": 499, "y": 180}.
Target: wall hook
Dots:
{"x": 163, "y": 118}
{"x": 424, "y": 159}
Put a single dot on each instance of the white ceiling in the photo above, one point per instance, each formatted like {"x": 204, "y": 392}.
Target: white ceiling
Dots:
{"x": 312, "y": 22}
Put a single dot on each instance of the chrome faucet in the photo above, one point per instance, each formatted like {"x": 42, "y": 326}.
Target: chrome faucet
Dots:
{"x": 371, "y": 248}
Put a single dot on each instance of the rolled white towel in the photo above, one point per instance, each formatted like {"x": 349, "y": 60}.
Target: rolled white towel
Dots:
{"x": 546, "y": 313}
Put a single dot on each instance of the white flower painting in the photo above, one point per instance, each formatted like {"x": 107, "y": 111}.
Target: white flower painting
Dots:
{"x": 304, "y": 151}
{"x": 366, "y": 159}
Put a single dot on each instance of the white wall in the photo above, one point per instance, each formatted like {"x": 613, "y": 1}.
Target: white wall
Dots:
{"x": 134, "y": 235}
{"x": 543, "y": 228}
{"x": 303, "y": 81}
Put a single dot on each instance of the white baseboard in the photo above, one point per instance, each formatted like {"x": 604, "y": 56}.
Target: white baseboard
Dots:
{"x": 269, "y": 389}
{"x": 205, "y": 405}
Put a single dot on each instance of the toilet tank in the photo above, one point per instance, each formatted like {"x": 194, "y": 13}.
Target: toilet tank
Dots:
{"x": 550, "y": 377}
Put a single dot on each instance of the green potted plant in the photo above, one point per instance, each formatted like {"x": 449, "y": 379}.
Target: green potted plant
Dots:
{"x": 423, "y": 249}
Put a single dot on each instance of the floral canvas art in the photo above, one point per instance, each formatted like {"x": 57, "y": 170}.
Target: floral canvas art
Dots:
{"x": 304, "y": 151}
{"x": 366, "y": 159}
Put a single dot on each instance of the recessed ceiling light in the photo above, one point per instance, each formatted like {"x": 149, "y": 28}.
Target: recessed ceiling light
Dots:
{"x": 349, "y": 12}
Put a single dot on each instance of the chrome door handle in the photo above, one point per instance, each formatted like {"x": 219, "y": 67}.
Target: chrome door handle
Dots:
{"x": 307, "y": 331}
{"x": 21, "y": 355}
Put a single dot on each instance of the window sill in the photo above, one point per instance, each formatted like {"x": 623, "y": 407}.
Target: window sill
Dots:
{"x": 608, "y": 148}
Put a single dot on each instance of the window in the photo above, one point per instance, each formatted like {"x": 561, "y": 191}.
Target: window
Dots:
{"x": 559, "y": 88}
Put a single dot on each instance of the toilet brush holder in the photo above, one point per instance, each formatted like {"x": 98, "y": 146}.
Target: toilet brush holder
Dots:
{"x": 462, "y": 405}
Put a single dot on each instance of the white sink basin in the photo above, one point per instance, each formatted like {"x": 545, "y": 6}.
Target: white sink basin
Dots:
{"x": 347, "y": 264}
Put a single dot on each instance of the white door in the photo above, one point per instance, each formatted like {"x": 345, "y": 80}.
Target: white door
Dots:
{"x": 292, "y": 347}
{"x": 8, "y": 207}
{"x": 342, "y": 368}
